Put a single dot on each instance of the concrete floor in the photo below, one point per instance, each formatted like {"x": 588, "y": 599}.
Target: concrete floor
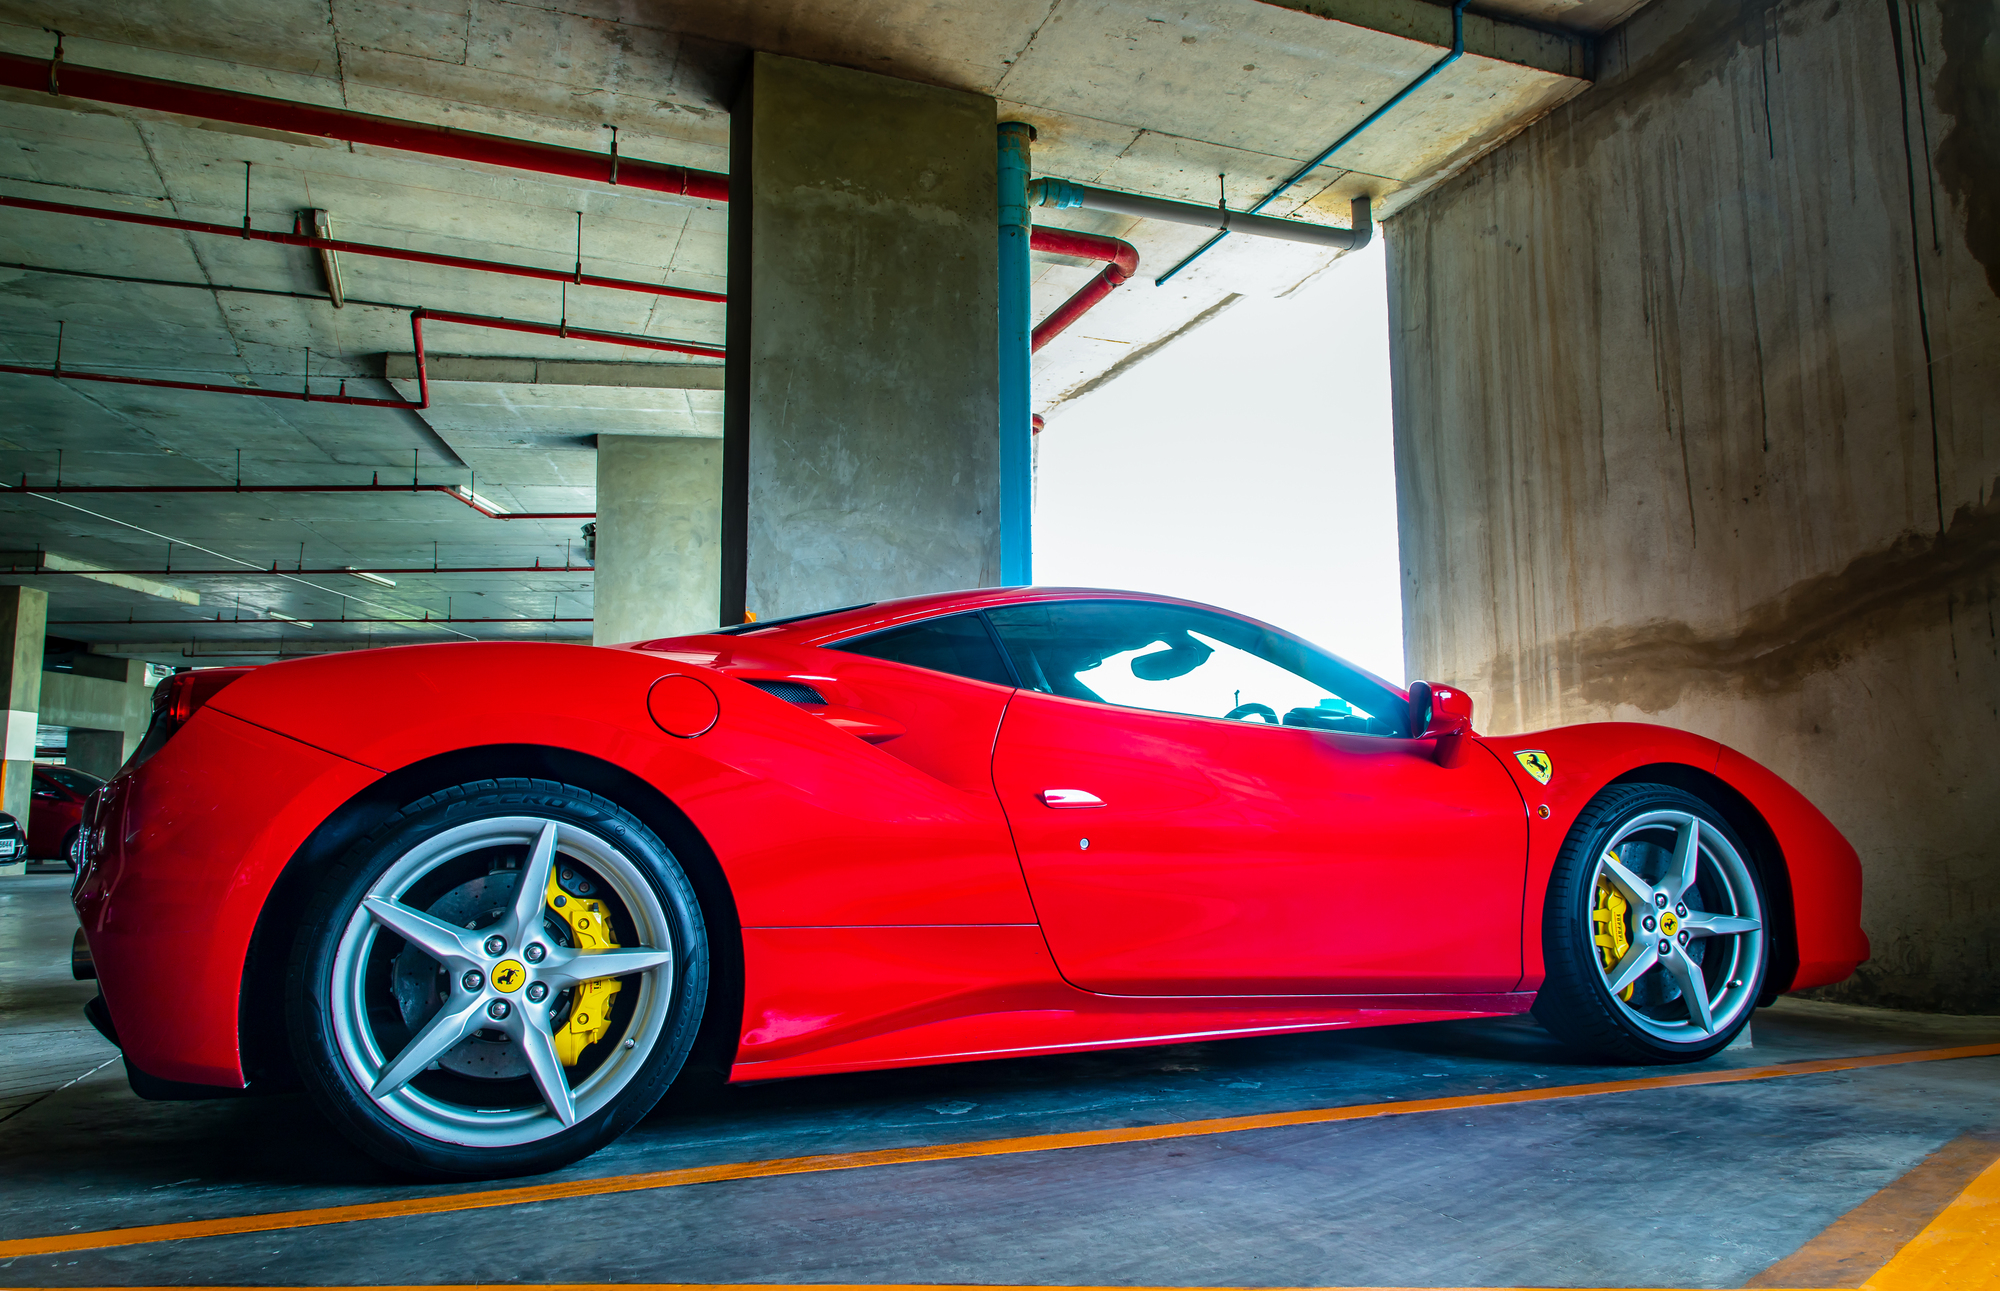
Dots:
{"x": 1697, "y": 1187}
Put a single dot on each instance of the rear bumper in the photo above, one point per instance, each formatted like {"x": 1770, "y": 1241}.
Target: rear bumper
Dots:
{"x": 185, "y": 851}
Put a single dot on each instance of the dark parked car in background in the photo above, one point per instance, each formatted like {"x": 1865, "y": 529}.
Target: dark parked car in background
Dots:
{"x": 56, "y": 810}
{"x": 13, "y": 842}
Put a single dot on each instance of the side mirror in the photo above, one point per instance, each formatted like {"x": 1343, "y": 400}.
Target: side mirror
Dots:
{"x": 1441, "y": 713}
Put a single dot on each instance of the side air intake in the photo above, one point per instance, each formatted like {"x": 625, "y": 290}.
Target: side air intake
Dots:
{"x": 792, "y": 692}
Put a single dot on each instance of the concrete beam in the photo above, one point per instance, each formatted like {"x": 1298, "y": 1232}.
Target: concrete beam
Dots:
{"x": 1563, "y": 53}
{"x": 50, "y": 562}
{"x": 556, "y": 372}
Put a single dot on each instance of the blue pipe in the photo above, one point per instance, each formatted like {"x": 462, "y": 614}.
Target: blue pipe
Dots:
{"x": 1017, "y": 522}
{"x": 1457, "y": 51}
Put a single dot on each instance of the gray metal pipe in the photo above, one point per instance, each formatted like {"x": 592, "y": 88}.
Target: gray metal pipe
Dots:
{"x": 1063, "y": 195}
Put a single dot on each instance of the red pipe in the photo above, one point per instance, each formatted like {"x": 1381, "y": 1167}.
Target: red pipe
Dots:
{"x": 282, "y": 623}
{"x": 75, "y": 81}
{"x": 303, "y": 396}
{"x": 71, "y": 80}
{"x": 573, "y": 333}
{"x": 366, "y": 249}
{"x": 253, "y": 573}
{"x": 208, "y": 389}
{"x": 1122, "y": 261}
{"x": 423, "y": 400}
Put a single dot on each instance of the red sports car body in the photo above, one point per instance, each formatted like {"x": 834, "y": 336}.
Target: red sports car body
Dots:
{"x": 906, "y": 854}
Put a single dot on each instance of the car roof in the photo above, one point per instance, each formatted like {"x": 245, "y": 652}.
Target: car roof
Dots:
{"x": 857, "y": 620}
{"x": 854, "y": 620}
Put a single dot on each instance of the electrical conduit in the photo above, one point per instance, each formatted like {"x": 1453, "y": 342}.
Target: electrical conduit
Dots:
{"x": 1063, "y": 195}
{"x": 1016, "y": 352}
{"x": 1456, "y": 52}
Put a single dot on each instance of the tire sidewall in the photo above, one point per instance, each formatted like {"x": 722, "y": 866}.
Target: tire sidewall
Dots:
{"x": 309, "y": 985}
{"x": 1574, "y": 1001}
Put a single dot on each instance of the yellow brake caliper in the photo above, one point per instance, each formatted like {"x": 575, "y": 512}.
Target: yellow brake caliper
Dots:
{"x": 590, "y": 1003}
{"x": 1613, "y": 934}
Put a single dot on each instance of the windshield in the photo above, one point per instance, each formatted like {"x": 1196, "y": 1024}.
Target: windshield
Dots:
{"x": 1175, "y": 659}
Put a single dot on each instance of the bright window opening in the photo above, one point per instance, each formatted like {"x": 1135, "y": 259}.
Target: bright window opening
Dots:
{"x": 1247, "y": 465}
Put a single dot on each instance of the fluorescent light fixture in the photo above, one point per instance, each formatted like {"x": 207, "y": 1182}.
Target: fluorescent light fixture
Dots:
{"x": 486, "y": 502}
{"x": 373, "y": 578}
{"x": 286, "y": 618}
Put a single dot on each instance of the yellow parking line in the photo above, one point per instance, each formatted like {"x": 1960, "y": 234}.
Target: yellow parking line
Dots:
{"x": 1857, "y": 1245}
{"x": 1959, "y": 1251}
{"x": 610, "y": 1185}
{"x": 834, "y": 1286}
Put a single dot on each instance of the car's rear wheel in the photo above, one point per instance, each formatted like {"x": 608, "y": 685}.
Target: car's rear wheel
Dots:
{"x": 499, "y": 980}
{"x": 1653, "y": 932}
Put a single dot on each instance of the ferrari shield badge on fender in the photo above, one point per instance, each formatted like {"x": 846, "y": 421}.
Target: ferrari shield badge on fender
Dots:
{"x": 1536, "y": 763}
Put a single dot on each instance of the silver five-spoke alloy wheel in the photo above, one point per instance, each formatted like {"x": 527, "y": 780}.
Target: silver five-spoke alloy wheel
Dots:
{"x": 1678, "y": 924}
{"x": 1657, "y": 935}
{"x": 487, "y": 977}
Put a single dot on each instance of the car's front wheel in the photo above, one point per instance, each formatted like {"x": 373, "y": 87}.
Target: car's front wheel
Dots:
{"x": 500, "y": 979}
{"x": 1653, "y": 933}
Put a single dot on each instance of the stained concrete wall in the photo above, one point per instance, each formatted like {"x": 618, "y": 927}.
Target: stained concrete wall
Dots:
{"x": 860, "y": 407}
{"x": 659, "y": 513}
{"x": 1698, "y": 422}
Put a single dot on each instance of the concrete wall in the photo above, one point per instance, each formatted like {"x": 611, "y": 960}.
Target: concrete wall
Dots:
{"x": 659, "y": 510}
{"x": 860, "y": 406}
{"x": 1698, "y": 422}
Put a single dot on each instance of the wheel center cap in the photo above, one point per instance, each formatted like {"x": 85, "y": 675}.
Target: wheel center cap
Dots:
{"x": 508, "y": 975}
{"x": 1669, "y": 922}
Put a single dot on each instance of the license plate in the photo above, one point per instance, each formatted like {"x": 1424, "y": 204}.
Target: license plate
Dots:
{"x": 6, "y": 847}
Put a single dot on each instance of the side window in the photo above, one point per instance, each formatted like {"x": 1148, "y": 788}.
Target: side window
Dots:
{"x": 1176, "y": 660}
{"x": 959, "y": 645}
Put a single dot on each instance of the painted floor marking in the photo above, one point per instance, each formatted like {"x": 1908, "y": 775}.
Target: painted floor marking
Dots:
{"x": 656, "y": 1179}
{"x": 1857, "y": 1245}
{"x": 1959, "y": 1251}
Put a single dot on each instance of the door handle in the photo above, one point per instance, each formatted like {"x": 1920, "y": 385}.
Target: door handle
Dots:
{"x": 1070, "y": 798}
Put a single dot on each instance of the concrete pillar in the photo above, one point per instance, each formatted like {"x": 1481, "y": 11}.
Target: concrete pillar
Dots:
{"x": 105, "y": 703}
{"x": 861, "y": 423}
{"x": 659, "y": 511}
{"x": 24, "y": 616}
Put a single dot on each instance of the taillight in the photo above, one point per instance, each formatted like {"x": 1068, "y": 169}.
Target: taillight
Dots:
{"x": 177, "y": 699}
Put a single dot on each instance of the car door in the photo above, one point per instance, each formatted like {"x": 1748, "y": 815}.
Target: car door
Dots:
{"x": 1203, "y": 806}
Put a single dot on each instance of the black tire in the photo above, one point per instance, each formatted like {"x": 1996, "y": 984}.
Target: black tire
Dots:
{"x": 69, "y": 847}
{"x": 329, "y": 1077}
{"x": 1575, "y": 1002}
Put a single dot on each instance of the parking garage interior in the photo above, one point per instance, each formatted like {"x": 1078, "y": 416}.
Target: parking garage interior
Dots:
{"x": 332, "y": 326}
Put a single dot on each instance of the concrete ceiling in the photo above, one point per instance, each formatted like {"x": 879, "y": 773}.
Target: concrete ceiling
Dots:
{"x": 1124, "y": 94}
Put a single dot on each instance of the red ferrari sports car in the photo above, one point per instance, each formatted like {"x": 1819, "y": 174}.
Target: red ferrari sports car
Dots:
{"x": 487, "y": 902}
